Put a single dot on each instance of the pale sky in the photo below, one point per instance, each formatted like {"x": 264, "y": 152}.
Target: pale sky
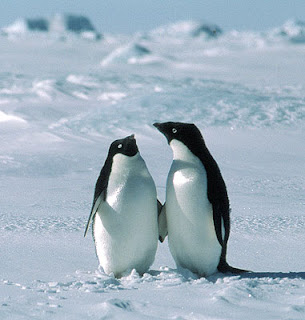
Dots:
{"x": 129, "y": 16}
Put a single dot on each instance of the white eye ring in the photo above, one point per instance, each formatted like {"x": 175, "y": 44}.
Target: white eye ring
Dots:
{"x": 120, "y": 146}
{"x": 174, "y": 130}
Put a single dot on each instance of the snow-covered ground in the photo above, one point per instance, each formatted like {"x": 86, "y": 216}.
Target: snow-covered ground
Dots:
{"x": 63, "y": 101}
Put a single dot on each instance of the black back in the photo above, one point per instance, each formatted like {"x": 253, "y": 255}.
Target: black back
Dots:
{"x": 191, "y": 137}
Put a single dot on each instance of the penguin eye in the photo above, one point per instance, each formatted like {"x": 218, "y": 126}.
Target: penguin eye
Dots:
{"x": 174, "y": 130}
{"x": 120, "y": 146}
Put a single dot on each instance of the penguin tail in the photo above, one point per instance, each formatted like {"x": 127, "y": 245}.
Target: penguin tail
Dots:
{"x": 224, "y": 267}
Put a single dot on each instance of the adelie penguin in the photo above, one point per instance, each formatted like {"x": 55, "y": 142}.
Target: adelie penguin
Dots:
{"x": 196, "y": 214}
{"x": 125, "y": 211}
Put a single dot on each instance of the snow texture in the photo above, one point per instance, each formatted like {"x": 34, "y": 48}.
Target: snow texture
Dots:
{"x": 61, "y": 105}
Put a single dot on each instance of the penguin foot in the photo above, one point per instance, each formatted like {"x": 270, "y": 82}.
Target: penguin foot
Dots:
{"x": 224, "y": 267}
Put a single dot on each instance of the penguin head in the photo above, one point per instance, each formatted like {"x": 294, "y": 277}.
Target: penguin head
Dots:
{"x": 127, "y": 146}
{"x": 187, "y": 133}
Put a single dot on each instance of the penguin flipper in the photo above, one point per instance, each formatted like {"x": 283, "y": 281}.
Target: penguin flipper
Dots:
{"x": 94, "y": 209}
{"x": 162, "y": 223}
{"x": 217, "y": 217}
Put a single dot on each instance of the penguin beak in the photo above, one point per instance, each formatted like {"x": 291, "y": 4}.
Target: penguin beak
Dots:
{"x": 131, "y": 137}
{"x": 164, "y": 129}
{"x": 158, "y": 125}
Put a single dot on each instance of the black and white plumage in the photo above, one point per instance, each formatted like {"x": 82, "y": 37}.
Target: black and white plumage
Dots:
{"x": 196, "y": 214}
{"x": 125, "y": 211}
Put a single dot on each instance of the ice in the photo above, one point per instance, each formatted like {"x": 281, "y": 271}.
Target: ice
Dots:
{"x": 59, "y": 111}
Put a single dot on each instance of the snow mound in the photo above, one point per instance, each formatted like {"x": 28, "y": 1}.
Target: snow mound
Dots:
{"x": 79, "y": 25}
{"x": 133, "y": 53}
{"x": 18, "y": 27}
{"x": 210, "y": 31}
{"x": 4, "y": 117}
{"x": 292, "y": 30}
{"x": 188, "y": 29}
{"x": 62, "y": 25}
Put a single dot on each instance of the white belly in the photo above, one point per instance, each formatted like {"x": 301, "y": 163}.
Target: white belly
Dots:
{"x": 192, "y": 238}
{"x": 125, "y": 226}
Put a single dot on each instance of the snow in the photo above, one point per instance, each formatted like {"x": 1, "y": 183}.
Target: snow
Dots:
{"x": 7, "y": 117}
{"x": 59, "y": 25}
{"x": 61, "y": 107}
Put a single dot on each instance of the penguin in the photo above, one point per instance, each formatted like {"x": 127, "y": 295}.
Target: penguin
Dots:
{"x": 124, "y": 211}
{"x": 196, "y": 214}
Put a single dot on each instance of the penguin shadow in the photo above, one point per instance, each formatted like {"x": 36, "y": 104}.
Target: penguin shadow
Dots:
{"x": 273, "y": 275}
{"x": 189, "y": 276}
{"x": 258, "y": 275}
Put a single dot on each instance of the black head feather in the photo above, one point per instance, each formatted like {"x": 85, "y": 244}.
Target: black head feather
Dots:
{"x": 128, "y": 147}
